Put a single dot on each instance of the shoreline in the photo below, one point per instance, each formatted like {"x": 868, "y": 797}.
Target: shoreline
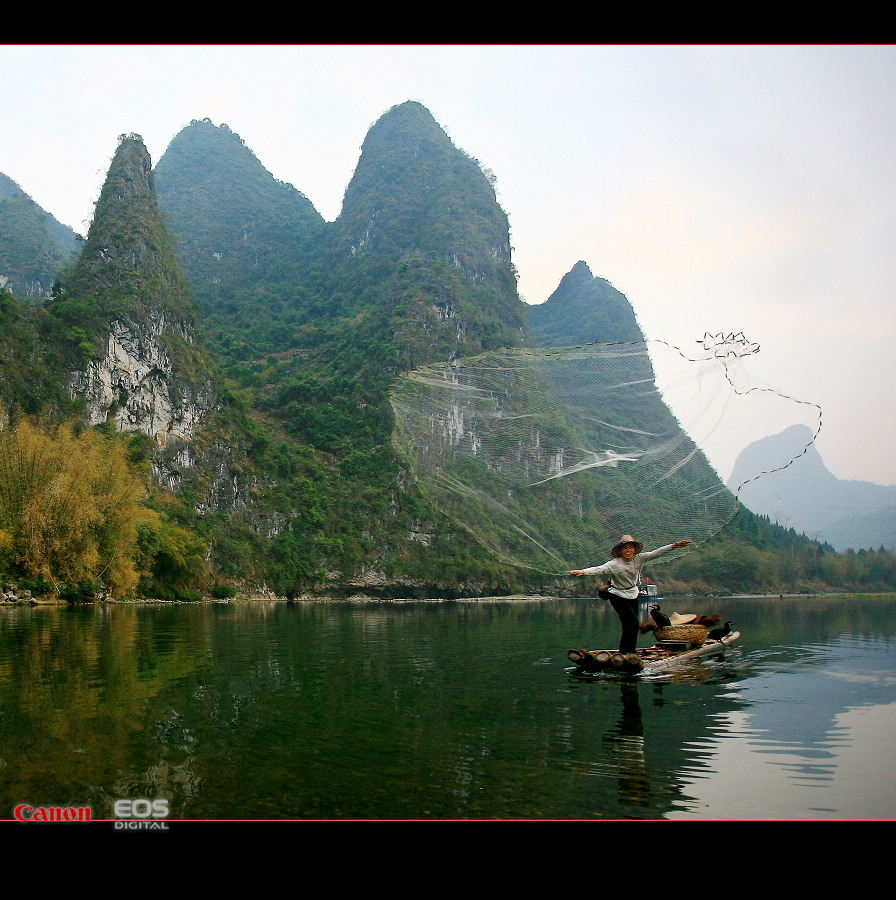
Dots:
{"x": 369, "y": 599}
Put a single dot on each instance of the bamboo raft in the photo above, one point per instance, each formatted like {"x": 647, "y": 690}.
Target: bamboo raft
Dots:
{"x": 669, "y": 651}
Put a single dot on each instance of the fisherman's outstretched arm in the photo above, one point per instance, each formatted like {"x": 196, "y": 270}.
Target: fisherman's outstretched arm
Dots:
{"x": 652, "y": 554}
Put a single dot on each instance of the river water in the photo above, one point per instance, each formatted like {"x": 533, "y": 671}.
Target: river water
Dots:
{"x": 444, "y": 710}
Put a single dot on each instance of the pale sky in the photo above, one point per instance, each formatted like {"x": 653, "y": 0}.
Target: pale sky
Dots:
{"x": 720, "y": 188}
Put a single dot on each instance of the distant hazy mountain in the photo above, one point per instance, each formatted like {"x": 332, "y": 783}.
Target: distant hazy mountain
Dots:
{"x": 807, "y": 497}
{"x": 34, "y": 246}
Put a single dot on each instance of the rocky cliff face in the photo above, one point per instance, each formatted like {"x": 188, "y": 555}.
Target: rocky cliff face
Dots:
{"x": 135, "y": 384}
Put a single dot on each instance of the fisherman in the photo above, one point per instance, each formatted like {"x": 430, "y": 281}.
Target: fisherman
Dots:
{"x": 622, "y": 588}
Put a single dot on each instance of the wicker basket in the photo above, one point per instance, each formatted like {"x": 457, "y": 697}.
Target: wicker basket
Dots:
{"x": 693, "y": 635}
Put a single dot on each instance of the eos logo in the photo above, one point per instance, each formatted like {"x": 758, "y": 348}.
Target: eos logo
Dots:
{"x": 141, "y": 809}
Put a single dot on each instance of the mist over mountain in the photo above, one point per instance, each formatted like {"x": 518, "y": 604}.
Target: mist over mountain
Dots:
{"x": 809, "y": 498}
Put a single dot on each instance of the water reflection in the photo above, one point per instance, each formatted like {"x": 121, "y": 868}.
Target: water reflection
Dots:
{"x": 626, "y": 742}
{"x": 442, "y": 710}
{"x": 811, "y": 734}
{"x": 848, "y": 778}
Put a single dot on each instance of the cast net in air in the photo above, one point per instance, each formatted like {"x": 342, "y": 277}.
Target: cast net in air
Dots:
{"x": 547, "y": 456}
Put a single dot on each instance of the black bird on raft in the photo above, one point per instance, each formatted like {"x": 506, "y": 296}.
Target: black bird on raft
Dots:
{"x": 718, "y": 633}
{"x": 661, "y": 619}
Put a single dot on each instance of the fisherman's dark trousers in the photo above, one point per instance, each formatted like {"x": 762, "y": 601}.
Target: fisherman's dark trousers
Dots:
{"x": 627, "y": 610}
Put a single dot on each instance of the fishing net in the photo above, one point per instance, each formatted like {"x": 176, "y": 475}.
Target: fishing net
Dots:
{"x": 547, "y": 456}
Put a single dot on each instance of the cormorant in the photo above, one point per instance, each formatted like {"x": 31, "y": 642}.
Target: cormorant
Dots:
{"x": 718, "y": 633}
{"x": 658, "y": 617}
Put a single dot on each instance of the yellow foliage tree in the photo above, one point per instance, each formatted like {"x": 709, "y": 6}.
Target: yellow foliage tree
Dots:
{"x": 70, "y": 506}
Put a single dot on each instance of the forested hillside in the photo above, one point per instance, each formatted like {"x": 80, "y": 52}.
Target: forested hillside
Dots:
{"x": 318, "y": 322}
{"x": 228, "y": 354}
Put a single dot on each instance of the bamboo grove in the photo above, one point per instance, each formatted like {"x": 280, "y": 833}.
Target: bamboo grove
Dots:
{"x": 76, "y": 517}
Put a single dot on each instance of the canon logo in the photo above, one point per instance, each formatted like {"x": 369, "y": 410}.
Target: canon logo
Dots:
{"x": 24, "y": 812}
